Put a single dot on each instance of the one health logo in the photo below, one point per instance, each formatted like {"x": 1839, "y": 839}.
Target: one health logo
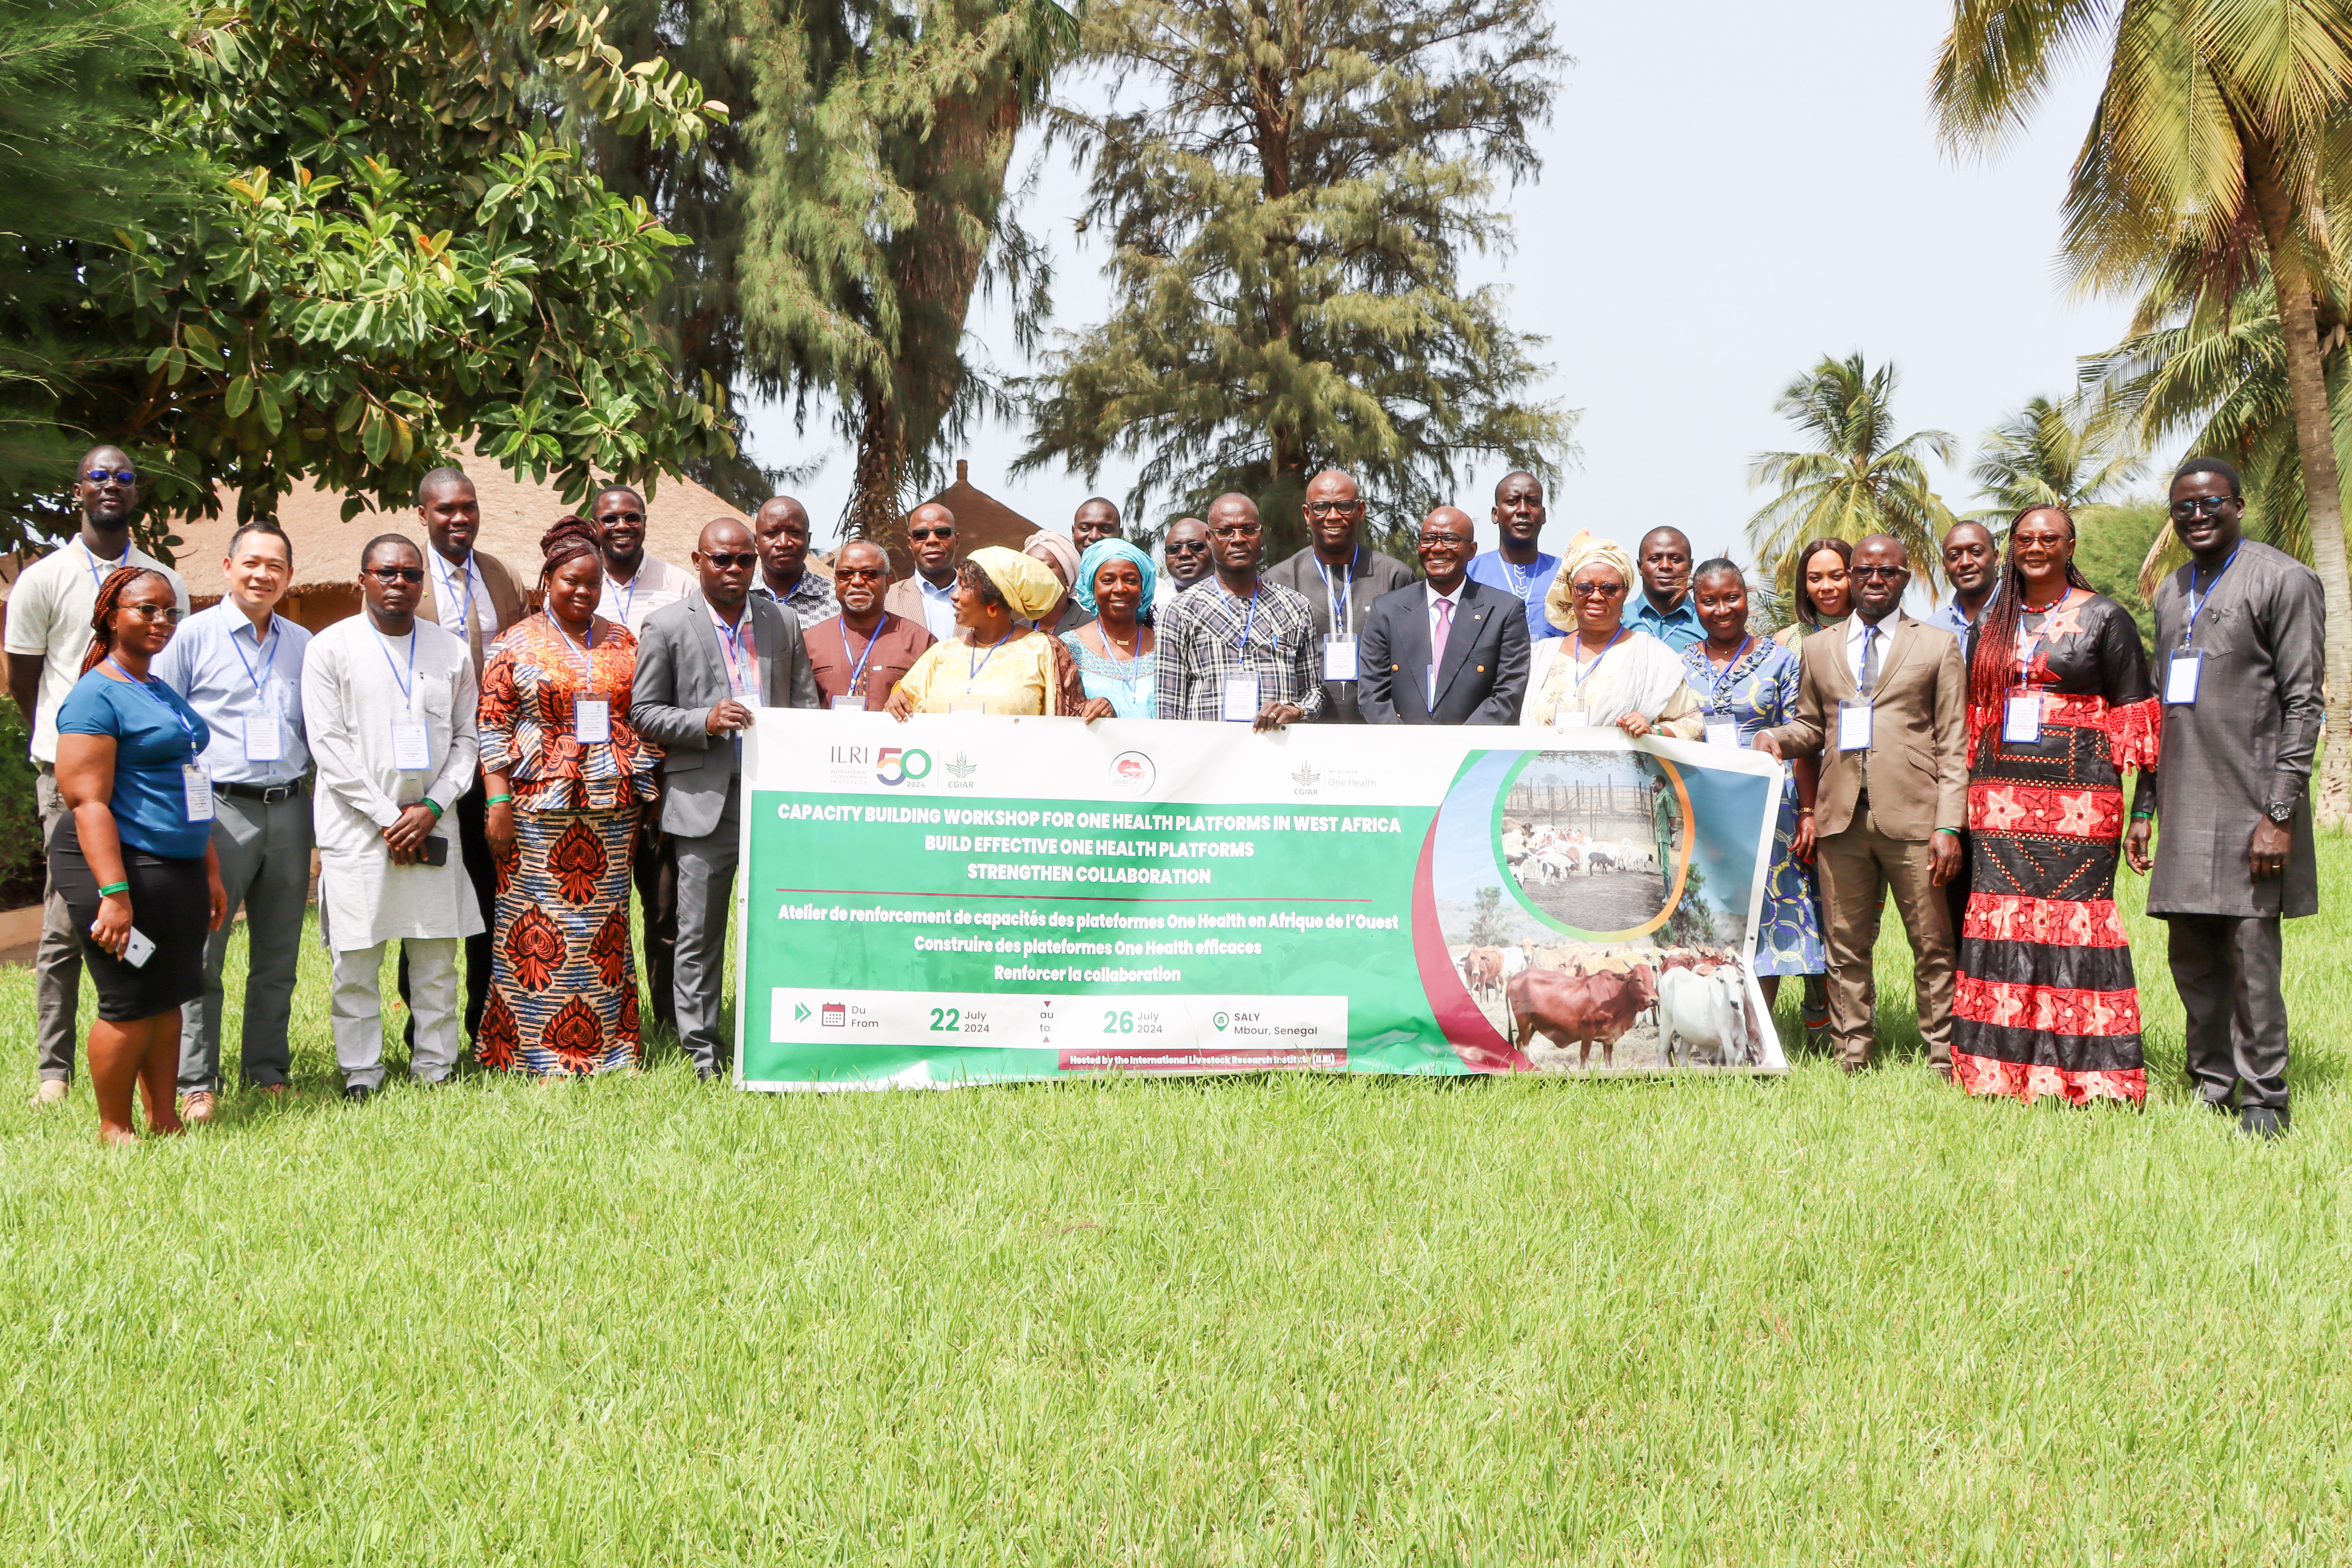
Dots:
{"x": 894, "y": 766}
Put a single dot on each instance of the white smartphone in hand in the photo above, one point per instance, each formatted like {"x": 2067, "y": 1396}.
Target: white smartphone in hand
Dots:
{"x": 138, "y": 949}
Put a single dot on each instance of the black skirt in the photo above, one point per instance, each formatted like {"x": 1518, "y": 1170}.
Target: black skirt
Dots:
{"x": 171, "y": 905}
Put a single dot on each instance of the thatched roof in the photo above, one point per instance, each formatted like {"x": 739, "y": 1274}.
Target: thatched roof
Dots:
{"x": 981, "y": 520}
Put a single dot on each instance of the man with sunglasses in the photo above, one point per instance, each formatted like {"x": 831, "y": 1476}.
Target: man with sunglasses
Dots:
{"x": 928, "y": 598}
{"x": 782, "y": 530}
{"x": 48, "y": 631}
{"x": 706, "y": 664}
{"x": 1185, "y": 560}
{"x": 635, "y": 584}
{"x": 1339, "y": 577}
{"x": 1884, "y": 703}
{"x": 2241, "y": 633}
{"x": 860, "y": 654}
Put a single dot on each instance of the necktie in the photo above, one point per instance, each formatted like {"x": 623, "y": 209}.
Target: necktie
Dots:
{"x": 474, "y": 608}
{"x": 1869, "y": 681}
{"x": 1437, "y": 643}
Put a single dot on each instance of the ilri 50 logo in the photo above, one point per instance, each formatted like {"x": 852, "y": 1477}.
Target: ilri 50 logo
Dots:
{"x": 894, "y": 766}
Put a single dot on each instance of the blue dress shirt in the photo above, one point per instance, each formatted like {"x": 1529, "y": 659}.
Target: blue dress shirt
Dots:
{"x": 228, "y": 675}
{"x": 1677, "y": 629}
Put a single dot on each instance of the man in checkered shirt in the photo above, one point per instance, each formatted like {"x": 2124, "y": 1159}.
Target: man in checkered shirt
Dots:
{"x": 1236, "y": 648}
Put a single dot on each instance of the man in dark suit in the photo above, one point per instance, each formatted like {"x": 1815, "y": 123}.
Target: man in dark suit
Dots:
{"x": 1884, "y": 703}
{"x": 704, "y": 664}
{"x": 1446, "y": 651}
{"x": 1340, "y": 576}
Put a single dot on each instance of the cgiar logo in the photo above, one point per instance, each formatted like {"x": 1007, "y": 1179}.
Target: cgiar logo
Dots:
{"x": 894, "y": 766}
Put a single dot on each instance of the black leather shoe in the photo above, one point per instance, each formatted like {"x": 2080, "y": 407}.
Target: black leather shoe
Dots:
{"x": 2262, "y": 1121}
{"x": 356, "y": 1092}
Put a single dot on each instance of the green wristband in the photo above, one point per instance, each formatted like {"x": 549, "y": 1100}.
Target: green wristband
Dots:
{"x": 112, "y": 889}
{"x": 1953, "y": 831}
{"x": 2142, "y": 816}
{"x": 436, "y": 810}
{"x": 498, "y": 800}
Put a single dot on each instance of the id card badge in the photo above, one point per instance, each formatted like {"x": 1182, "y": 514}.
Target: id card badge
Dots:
{"x": 2021, "y": 723}
{"x": 412, "y": 752}
{"x": 591, "y": 720}
{"x": 842, "y": 704}
{"x": 196, "y": 785}
{"x": 1338, "y": 656}
{"x": 265, "y": 738}
{"x": 2180, "y": 673}
{"x": 1722, "y": 732}
{"x": 967, "y": 705}
{"x": 1568, "y": 719}
{"x": 1241, "y": 704}
{"x": 1853, "y": 726}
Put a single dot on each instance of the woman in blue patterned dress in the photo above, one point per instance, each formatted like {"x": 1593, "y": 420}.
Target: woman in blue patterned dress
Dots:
{"x": 1752, "y": 682}
{"x": 1115, "y": 650}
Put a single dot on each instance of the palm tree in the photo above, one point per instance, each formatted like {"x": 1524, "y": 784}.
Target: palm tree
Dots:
{"x": 1858, "y": 479}
{"x": 2213, "y": 140}
{"x": 2050, "y": 453}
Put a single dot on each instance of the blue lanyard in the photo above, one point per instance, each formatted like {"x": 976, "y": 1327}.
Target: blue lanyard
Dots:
{"x": 731, "y": 643}
{"x": 466, "y": 582}
{"x": 1340, "y": 602}
{"x": 2196, "y": 605}
{"x": 1714, "y": 693}
{"x": 89, "y": 557}
{"x": 630, "y": 597}
{"x": 1242, "y": 647}
{"x": 974, "y": 671}
{"x": 408, "y": 686}
{"x": 268, "y": 656}
{"x": 1585, "y": 673}
{"x": 587, "y": 665}
{"x": 857, "y": 668}
{"x": 148, "y": 686}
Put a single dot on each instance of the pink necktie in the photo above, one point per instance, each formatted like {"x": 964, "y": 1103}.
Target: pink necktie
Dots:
{"x": 1437, "y": 641}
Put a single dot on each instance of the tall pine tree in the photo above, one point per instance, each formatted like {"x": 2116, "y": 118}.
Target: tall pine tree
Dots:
{"x": 1289, "y": 204}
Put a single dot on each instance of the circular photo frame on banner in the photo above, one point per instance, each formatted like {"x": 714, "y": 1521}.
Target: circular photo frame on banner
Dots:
{"x": 1595, "y": 845}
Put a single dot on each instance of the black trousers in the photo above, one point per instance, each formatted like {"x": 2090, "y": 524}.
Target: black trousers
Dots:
{"x": 473, "y": 814}
{"x": 2226, "y": 969}
{"x": 654, "y": 870}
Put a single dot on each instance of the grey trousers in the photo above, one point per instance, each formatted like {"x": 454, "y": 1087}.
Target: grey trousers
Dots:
{"x": 56, "y": 965}
{"x": 265, "y": 862}
{"x": 706, "y": 893}
{"x": 1858, "y": 868}
{"x": 2226, "y": 969}
{"x": 356, "y": 1014}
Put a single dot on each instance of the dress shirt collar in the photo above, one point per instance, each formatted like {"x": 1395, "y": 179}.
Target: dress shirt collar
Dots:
{"x": 1454, "y": 598}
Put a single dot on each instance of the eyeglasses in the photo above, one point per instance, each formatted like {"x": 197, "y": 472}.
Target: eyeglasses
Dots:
{"x": 119, "y": 476}
{"x": 1889, "y": 573}
{"x": 1331, "y": 508}
{"x": 390, "y": 574}
{"x": 622, "y": 517}
{"x": 155, "y": 612}
{"x": 931, "y": 533}
{"x": 861, "y": 574}
{"x": 1596, "y": 590}
{"x": 1239, "y": 531}
{"x": 728, "y": 560}
{"x": 1445, "y": 541}
{"x": 2199, "y": 506}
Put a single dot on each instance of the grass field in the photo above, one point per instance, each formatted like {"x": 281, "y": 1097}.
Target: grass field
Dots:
{"x": 1284, "y": 1321}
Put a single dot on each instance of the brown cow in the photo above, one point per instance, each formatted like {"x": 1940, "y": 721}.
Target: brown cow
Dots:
{"x": 1580, "y": 1008}
{"x": 1485, "y": 967}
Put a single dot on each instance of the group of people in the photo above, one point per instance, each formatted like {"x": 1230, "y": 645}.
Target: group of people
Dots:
{"x": 1970, "y": 765}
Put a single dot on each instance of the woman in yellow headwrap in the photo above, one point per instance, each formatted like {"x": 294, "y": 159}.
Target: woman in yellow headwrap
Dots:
{"x": 1604, "y": 672}
{"x": 995, "y": 664}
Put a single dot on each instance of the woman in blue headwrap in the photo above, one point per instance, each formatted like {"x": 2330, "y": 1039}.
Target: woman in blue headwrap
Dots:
{"x": 1114, "y": 650}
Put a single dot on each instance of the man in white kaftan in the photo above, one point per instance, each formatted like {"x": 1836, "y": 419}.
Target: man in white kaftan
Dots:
{"x": 388, "y": 699}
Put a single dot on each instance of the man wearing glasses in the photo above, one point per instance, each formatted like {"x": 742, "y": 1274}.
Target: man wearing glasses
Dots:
{"x": 2239, "y": 639}
{"x": 49, "y": 632}
{"x": 860, "y": 654}
{"x": 928, "y": 598}
{"x": 1338, "y": 577}
{"x": 1239, "y": 650}
{"x": 1184, "y": 556}
{"x": 1447, "y": 650}
{"x": 635, "y": 584}
{"x": 1884, "y": 703}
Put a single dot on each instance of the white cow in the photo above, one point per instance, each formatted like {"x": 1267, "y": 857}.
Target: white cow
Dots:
{"x": 1706, "y": 1015}
{"x": 1515, "y": 960}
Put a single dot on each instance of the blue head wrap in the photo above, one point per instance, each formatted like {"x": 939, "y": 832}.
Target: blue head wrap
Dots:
{"x": 1101, "y": 551}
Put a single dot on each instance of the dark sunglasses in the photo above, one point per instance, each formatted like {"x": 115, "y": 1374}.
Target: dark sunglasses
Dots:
{"x": 1880, "y": 572}
{"x": 397, "y": 574}
{"x": 1239, "y": 531}
{"x": 622, "y": 517}
{"x": 1330, "y": 508}
{"x": 728, "y": 560}
{"x": 119, "y": 476}
{"x": 2199, "y": 506}
{"x": 1596, "y": 590}
{"x": 860, "y": 573}
{"x": 1188, "y": 547}
{"x": 931, "y": 533}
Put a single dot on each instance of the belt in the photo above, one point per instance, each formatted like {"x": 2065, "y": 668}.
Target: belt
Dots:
{"x": 268, "y": 795}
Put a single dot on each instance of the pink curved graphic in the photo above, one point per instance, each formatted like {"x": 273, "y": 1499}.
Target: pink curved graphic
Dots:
{"x": 1475, "y": 1040}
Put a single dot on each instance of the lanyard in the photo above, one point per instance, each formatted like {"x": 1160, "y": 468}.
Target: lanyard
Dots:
{"x": 730, "y": 644}
{"x": 2196, "y": 605}
{"x": 2027, "y": 642}
{"x": 97, "y": 578}
{"x": 857, "y": 668}
{"x": 1585, "y": 672}
{"x": 268, "y": 656}
{"x": 1714, "y": 693}
{"x": 148, "y": 686}
{"x": 1341, "y": 602}
{"x": 408, "y": 686}
{"x": 466, "y": 581}
{"x": 587, "y": 665}
{"x": 1128, "y": 674}
{"x": 1242, "y": 645}
{"x": 975, "y": 670}
{"x": 630, "y": 597}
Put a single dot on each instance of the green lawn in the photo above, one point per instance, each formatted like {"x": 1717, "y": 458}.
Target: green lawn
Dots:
{"x": 1286, "y": 1320}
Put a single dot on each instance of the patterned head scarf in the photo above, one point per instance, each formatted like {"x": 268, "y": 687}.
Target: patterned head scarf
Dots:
{"x": 1028, "y": 584}
{"x": 1584, "y": 551}
{"x": 1057, "y": 546}
{"x": 571, "y": 537}
{"x": 1100, "y": 553}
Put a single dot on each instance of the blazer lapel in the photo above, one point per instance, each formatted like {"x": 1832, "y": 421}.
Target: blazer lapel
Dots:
{"x": 1411, "y": 646}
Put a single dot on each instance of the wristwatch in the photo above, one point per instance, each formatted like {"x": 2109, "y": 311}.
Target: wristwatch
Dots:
{"x": 2281, "y": 813}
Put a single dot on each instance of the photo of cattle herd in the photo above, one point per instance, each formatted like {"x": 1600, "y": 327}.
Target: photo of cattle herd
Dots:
{"x": 1590, "y": 840}
{"x": 1578, "y": 1007}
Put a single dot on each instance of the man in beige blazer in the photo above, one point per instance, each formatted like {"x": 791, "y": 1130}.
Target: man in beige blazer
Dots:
{"x": 1883, "y": 701}
{"x": 922, "y": 596}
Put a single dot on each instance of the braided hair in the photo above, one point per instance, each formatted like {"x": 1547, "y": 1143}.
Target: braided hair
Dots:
{"x": 118, "y": 582}
{"x": 1992, "y": 650}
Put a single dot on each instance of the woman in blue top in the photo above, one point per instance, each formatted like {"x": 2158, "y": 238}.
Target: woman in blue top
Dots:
{"x": 133, "y": 857}
{"x": 1751, "y": 682}
{"x": 1116, "y": 650}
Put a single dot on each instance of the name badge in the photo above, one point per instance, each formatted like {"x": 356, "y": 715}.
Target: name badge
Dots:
{"x": 1853, "y": 726}
{"x": 1241, "y": 704}
{"x": 2180, "y": 673}
{"x": 2023, "y": 720}
{"x": 265, "y": 738}
{"x": 591, "y": 720}
{"x": 197, "y": 786}
{"x": 412, "y": 752}
{"x": 967, "y": 705}
{"x": 1722, "y": 732}
{"x": 1568, "y": 719}
{"x": 841, "y": 703}
{"x": 1338, "y": 657}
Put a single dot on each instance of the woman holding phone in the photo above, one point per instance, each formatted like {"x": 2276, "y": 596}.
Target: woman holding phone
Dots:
{"x": 133, "y": 855}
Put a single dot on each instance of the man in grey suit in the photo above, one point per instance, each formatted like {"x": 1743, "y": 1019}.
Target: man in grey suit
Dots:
{"x": 1444, "y": 651}
{"x": 2239, "y": 634}
{"x": 704, "y": 664}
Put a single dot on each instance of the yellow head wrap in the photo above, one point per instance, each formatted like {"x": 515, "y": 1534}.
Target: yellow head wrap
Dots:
{"x": 1583, "y": 551}
{"x": 1028, "y": 584}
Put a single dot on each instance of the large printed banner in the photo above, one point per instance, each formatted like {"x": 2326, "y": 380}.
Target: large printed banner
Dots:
{"x": 968, "y": 898}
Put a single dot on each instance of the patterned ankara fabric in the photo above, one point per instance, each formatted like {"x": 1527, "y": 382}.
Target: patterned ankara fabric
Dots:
{"x": 1759, "y": 691}
{"x": 534, "y": 674}
{"x": 2046, "y": 1002}
{"x": 563, "y": 973}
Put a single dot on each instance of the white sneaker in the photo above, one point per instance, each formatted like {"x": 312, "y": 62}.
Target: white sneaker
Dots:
{"x": 51, "y": 1090}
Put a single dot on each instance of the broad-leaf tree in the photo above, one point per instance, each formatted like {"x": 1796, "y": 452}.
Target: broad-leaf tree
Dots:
{"x": 1290, "y": 192}
{"x": 1856, "y": 479}
{"x": 2051, "y": 454}
{"x": 2211, "y": 147}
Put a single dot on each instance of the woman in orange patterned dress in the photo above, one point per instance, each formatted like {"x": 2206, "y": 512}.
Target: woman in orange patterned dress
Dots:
{"x": 2059, "y": 705}
{"x": 567, "y": 778}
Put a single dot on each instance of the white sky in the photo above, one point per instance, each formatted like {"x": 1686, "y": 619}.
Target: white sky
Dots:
{"x": 1729, "y": 192}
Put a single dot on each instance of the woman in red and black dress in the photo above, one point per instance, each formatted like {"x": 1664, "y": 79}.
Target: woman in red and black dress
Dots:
{"x": 2059, "y": 704}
